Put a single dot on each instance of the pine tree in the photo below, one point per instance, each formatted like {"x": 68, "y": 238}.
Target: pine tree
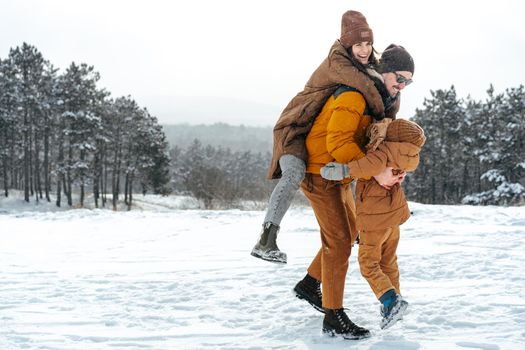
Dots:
{"x": 28, "y": 68}
{"x": 438, "y": 178}
{"x": 49, "y": 122}
{"x": 157, "y": 171}
{"x": 8, "y": 122}
{"x": 80, "y": 95}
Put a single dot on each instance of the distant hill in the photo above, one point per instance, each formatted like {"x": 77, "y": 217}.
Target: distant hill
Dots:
{"x": 237, "y": 138}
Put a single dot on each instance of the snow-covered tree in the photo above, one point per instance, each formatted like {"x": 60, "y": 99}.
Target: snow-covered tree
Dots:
{"x": 63, "y": 132}
{"x": 80, "y": 96}
{"x": 9, "y": 127}
{"x": 438, "y": 175}
{"x": 28, "y": 68}
{"x": 474, "y": 150}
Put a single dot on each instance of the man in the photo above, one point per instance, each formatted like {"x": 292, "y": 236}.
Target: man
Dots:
{"x": 339, "y": 135}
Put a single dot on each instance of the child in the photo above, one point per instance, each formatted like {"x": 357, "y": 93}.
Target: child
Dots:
{"x": 289, "y": 150}
{"x": 381, "y": 211}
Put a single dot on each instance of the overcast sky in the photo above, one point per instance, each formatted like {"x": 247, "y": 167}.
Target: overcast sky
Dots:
{"x": 242, "y": 61}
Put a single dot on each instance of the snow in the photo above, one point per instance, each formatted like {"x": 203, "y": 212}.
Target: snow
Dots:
{"x": 166, "y": 277}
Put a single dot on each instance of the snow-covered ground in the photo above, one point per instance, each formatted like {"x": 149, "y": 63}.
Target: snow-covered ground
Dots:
{"x": 168, "y": 278}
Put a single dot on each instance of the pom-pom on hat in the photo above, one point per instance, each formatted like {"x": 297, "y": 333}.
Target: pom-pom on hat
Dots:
{"x": 402, "y": 130}
{"x": 355, "y": 29}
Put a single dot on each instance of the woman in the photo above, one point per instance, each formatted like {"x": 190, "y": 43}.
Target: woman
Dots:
{"x": 339, "y": 135}
{"x": 289, "y": 151}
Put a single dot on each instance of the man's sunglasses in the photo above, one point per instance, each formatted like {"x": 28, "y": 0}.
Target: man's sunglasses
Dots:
{"x": 401, "y": 79}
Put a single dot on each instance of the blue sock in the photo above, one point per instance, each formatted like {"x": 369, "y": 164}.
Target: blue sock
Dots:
{"x": 387, "y": 298}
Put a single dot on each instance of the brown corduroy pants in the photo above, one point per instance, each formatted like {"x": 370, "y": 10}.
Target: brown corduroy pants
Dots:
{"x": 334, "y": 208}
{"x": 378, "y": 259}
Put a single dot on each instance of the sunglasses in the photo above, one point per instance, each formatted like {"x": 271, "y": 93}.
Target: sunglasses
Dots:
{"x": 401, "y": 79}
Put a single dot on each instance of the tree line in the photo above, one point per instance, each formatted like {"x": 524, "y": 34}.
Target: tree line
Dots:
{"x": 62, "y": 134}
{"x": 475, "y": 150}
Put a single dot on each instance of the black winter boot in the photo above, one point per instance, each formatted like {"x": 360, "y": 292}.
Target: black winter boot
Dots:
{"x": 336, "y": 322}
{"x": 266, "y": 248}
{"x": 309, "y": 289}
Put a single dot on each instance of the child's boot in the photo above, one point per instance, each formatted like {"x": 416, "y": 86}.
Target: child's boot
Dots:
{"x": 393, "y": 307}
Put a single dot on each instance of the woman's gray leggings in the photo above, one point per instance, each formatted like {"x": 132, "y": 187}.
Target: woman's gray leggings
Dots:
{"x": 293, "y": 169}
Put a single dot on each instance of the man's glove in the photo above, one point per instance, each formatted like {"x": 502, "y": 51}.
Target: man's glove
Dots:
{"x": 335, "y": 171}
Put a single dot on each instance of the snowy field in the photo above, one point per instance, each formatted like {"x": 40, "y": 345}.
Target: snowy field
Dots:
{"x": 171, "y": 278}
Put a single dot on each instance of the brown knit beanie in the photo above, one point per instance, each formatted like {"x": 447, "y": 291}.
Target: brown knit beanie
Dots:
{"x": 402, "y": 130}
{"x": 355, "y": 29}
{"x": 395, "y": 58}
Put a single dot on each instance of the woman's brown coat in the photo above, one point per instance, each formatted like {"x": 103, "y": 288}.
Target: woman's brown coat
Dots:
{"x": 297, "y": 118}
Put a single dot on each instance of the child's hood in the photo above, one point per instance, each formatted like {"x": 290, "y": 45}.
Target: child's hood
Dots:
{"x": 401, "y": 155}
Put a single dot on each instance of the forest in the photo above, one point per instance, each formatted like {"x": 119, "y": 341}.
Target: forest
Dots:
{"x": 62, "y": 138}
{"x": 475, "y": 150}
{"x": 60, "y": 134}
